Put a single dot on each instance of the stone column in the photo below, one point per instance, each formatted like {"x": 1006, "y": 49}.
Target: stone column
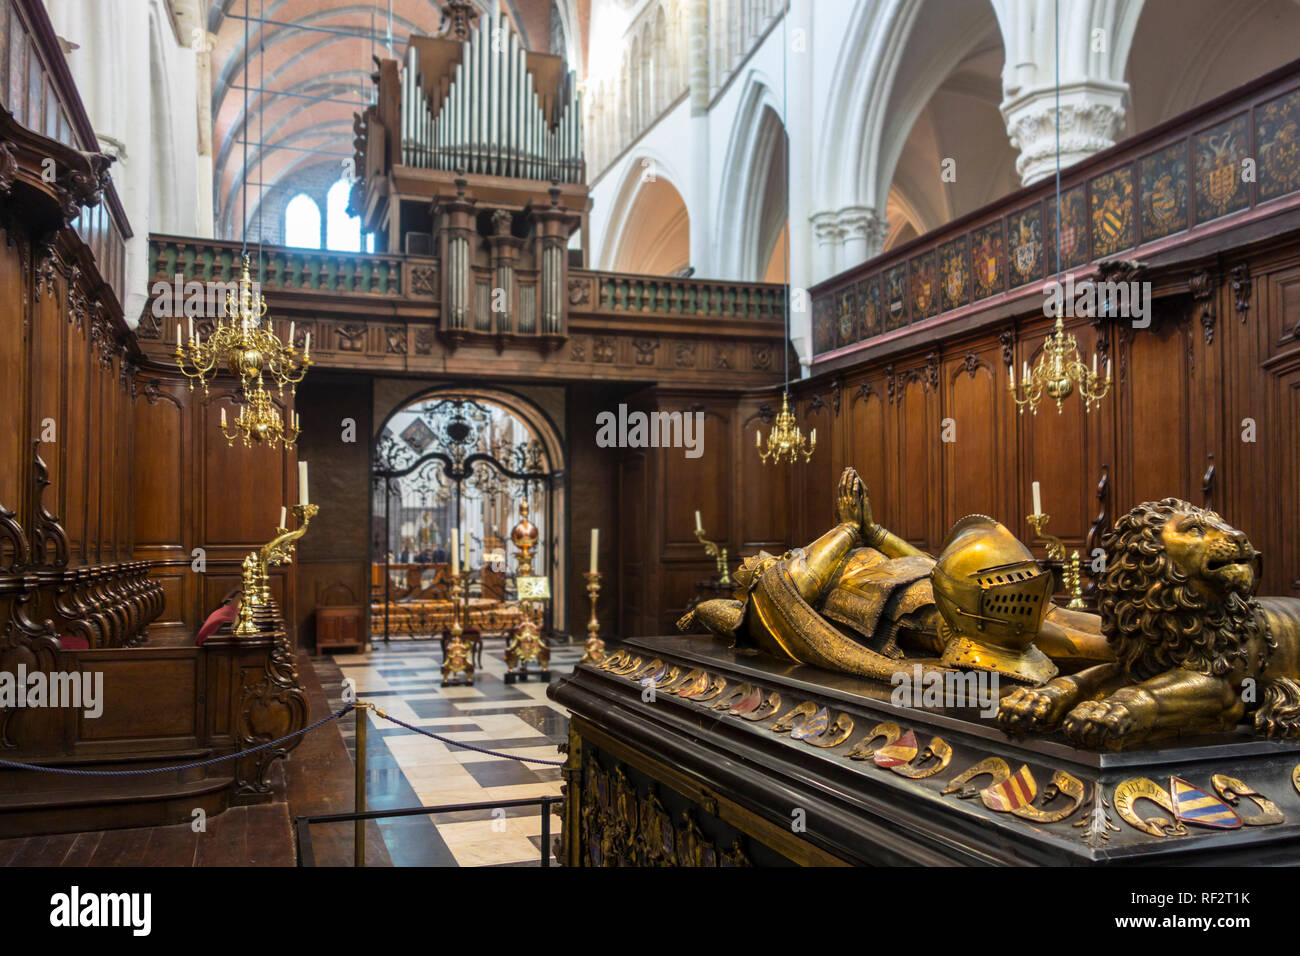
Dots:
{"x": 828, "y": 236}
{"x": 697, "y": 13}
{"x": 799, "y": 116}
{"x": 864, "y": 235}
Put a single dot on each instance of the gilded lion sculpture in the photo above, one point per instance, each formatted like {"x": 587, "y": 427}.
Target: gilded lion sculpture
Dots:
{"x": 1194, "y": 649}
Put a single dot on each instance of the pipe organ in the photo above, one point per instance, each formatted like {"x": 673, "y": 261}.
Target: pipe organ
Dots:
{"x": 490, "y": 116}
{"x": 471, "y": 156}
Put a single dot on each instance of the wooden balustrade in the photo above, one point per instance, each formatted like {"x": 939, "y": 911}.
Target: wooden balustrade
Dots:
{"x": 283, "y": 268}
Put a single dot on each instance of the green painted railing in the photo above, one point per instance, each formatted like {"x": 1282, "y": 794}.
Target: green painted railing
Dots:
{"x": 307, "y": 270}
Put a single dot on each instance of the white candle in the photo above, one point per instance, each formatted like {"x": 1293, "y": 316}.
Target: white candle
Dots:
{"x": 698, "y": 525}
{"x": 455, "y": 551}
{"x": 758, "y": 439}
{"x": 223, "y": 409}
{"x": 1038, "y": 499}
{"x": 302, "y": 483}
{"x": 1094, "y": 364}
{"x": 595, "y": 545}
{"x": 291, "y": 334}
{"x": 306, "y": 345}
{"x": 191, "y": 322}
{"x": 1025, "y": 374}
{"x": 1108, "y": 370}
{"x": 812, "y": 439}
{"x": 284, "y": 516}
{"x": 178, "y": 336}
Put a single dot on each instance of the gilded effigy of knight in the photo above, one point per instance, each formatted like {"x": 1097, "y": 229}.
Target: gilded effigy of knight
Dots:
{"x": 1180, "y": 638}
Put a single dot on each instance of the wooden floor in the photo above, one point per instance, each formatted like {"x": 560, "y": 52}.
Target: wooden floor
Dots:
{"x": 317, "y": 778}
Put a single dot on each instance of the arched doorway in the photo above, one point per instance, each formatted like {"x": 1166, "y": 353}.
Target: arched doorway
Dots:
{"x": 462, "y": 459}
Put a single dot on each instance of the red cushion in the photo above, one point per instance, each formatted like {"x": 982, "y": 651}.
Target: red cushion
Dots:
{"x": 222, "y": 615}
{"x": 70, "y": 642}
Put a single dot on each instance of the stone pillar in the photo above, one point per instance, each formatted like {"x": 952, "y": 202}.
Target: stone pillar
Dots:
{"x": 864, "y": 235}
{"x": 1091, "y": 117}
{"x": 828, "y": 237}
{"x": 206, "y": 213}
{"x": 697, "y": 13}
{"x": 799, "y": 135}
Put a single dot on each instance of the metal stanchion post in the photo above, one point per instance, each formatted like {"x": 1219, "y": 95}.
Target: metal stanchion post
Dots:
{"x": 546, "y": 833}
{"x": 359, "y": 836}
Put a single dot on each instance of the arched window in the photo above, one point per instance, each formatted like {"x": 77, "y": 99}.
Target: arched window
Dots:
{"x": 343, "y": 232}
{"x": 302, "y": 222}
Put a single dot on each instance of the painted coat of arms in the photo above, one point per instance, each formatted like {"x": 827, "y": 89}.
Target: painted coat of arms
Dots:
{"x": 1074, "y": 230}
{"x": 986, "y": 258}
{"x": 823, "y": 324}
{"x": 1025, "y": 246}
{"x": 1112, "y": 212}
{"x": 869, "y": 306}
{"x": 846, "y": 309}
{"x": 1278, "y": 135}
{"x": 954, "y": 273}
{"x": 1164, "y": 192}
{"x": 1218, "y": 153}
{"x": 924, "y": 291}
{"x": 896, "y": 297}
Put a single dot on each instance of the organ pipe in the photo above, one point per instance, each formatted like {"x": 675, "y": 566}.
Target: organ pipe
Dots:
{"x": 489, "y": 118}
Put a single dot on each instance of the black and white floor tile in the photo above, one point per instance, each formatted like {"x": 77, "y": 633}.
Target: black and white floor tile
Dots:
{"x": 407, "y": 769}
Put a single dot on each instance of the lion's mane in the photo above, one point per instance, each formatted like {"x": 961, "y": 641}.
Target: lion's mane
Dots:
{"x": 1152, "y": 616}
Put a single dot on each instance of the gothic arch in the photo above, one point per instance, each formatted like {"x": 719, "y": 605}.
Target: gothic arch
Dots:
{"x": 645, "y": 170}
{"x": 754, "y": 178}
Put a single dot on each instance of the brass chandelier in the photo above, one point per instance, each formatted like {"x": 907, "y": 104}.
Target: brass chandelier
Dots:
{"x": 1059, "y": 371}
{"x": 786, "y": 441}
{"x": 244, "y": 347}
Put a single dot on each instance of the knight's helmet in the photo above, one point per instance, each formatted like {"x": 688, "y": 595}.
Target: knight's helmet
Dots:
{"x": 992, "y": 595}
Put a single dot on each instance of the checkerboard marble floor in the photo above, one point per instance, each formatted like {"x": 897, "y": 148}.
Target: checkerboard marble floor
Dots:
{"x": 407, "y": 769}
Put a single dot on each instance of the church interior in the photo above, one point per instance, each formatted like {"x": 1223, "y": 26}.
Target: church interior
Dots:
{"x": 631, "y": 433}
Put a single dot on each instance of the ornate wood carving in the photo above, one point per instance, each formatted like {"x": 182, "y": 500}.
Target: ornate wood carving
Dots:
{"x": 1241, "y": 289}
{"x": 271, "y": 705}
{"x": 1202, "y": 288}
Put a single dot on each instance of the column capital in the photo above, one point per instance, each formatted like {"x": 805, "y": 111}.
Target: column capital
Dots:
{"x": 1091, "y": 116}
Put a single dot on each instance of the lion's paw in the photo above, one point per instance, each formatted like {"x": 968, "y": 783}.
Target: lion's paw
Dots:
{"x": 1034, "y": 709}
{"x": 1097, "y": 722}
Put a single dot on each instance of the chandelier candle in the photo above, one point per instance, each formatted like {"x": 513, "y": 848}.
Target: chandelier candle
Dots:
{"x": 595, "y": 542}
{"x": 302, "y": 483}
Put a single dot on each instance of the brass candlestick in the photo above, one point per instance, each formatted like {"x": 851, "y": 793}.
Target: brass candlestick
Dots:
{"x": 595, "y": 647}
{"x": 255, "y": 609}
{"x": 456, "y": 659}
{"x": 1070, "y": 570}
{"x": 527, "y": 643}
{"x": 712, "y": 549}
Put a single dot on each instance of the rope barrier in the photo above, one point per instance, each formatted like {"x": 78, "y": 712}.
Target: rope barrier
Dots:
{"x": 15, "y": 765}
{"x": 185, "y": 766}
{"x": 461, "y": 743}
